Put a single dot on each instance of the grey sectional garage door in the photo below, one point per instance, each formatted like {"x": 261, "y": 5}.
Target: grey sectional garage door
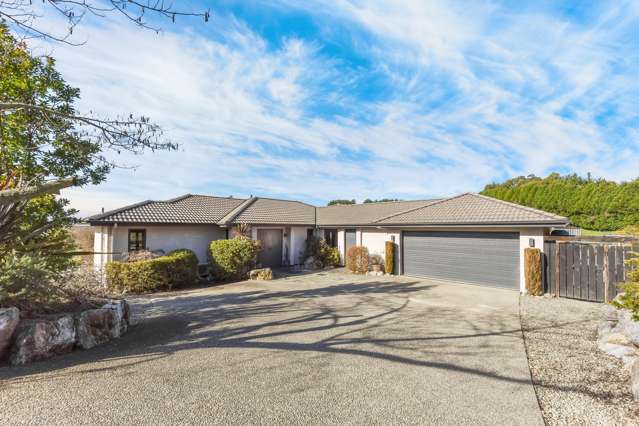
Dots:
{"x": 488, "y": 258}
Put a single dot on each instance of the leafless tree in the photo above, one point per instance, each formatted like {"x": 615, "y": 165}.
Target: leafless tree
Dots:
{"x": 24, "y": 16}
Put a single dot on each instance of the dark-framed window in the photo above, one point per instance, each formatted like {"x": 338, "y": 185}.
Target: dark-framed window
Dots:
{"x": 309, "y": 233}
{"x": 137, "y": 239}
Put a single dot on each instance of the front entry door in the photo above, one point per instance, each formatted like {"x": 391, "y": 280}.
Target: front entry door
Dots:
{"x": 271, "y": 253}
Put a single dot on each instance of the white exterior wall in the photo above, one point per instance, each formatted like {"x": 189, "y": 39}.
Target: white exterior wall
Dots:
{"x": 170, "y": 237}
{"x": 375, "y": 239}
{"x": 537, "y": 234}
{"x": 102, "y": 246}
{"x": 298, "y": 240}
{"x": 340, "y": 245}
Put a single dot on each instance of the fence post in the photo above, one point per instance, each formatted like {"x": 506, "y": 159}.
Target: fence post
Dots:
{"x": 606, "y": 276}
{"x": 557, "y": 261}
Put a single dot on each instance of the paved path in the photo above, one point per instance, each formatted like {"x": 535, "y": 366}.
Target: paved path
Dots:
{"x": 327, "y": 348}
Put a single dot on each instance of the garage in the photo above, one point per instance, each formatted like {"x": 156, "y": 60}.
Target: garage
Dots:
{"x": 486, "y": 258}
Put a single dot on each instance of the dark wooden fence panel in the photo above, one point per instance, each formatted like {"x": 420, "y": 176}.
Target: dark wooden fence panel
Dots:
{"x": 584, "y": 270}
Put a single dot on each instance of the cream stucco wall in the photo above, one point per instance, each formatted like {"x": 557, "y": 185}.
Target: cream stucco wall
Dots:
{"x": 171, "y": 237}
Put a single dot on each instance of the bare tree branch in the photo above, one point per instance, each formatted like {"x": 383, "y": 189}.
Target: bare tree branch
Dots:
{"x": 23, "y": 14}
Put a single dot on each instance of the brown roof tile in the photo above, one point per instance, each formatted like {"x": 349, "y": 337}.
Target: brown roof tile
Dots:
{"x": 471, "y": 209}
{"x": 362, "y": 214}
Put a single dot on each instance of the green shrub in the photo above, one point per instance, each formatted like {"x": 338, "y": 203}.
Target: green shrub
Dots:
{"x": 176, "y": 269}
{"x": 232, "y": 259}
{"x": 321, "y": 251}
{"x": 629, "y": 299}
{"x": 357, "y": 259}
{"x": 532, "y": 271}
{"x": 389, "y": 263}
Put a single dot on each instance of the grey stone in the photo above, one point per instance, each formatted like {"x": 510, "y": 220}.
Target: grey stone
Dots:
{"x": 617, "y": 350}
{"x": 123, "y": 313}
{"x": 310, "y": 263}
{"x": 634, "y": 380}
{"x": 627, "y": 326}
{"x": 97, "y": 326}
{"x": 9, "y": 319}
{"x": 41, "y": 339}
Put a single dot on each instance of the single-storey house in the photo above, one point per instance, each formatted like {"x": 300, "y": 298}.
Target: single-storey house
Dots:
{"x": 468, "y": 238}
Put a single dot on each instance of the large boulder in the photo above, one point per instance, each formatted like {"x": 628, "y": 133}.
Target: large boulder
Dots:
{"x": 9, "y": 319}
{"x": 97, "y": 326}
{"x": 627, "y": 326}
{"x": 634, "y": 380}
{"x": 122, "y": 312}
{"x": 41, "y": 339}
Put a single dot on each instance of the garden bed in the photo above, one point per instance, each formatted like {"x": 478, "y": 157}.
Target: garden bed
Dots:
{"x": 575, "y": 382}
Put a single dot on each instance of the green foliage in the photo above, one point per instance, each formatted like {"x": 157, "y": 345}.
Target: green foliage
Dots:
{"x": 336, "y": 202}
{"x": 22, "y": 276}
{"x": 390, "y": 257}
{"x": 320, "y": 250}
{"x": 232, "y": 259}
{"x": 176, "y": 269}
{"x": 629, "y": 299}
{"x": 381, "y": 200}
{"x": 532, "y": 271}
{"x": 357, "y": 259}
{"x": 595, "y": 204}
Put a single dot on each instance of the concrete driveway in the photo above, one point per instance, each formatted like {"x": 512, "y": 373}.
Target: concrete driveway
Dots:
{"x": 325, "y": 348}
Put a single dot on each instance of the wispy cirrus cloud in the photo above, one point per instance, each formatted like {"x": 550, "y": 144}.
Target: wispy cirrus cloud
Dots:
{"x": 374, "y": 99}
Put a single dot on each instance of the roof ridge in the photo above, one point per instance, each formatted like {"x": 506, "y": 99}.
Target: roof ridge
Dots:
{"x": 519, "y": 206}
{"x": 416, "y": 208}
{"x": 121, "y": 209}
{"x": 381, "y": 202}
{"x": 235, "y": 212}
{"x": 216, "y": 196}
{"x": 282, "y": 199}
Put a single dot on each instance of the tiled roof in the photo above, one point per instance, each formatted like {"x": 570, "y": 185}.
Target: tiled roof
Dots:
{"x": 199, "y": 209}
{"x": 472, "y": 209}
{"x": 362, "y": 214}
{"x": 270, "y": 211}
{"x": 465, "y": 209}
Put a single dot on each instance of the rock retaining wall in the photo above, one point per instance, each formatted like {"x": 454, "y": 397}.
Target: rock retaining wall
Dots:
{"x": 618, "y": 335}
{"x": 29, "y": 340}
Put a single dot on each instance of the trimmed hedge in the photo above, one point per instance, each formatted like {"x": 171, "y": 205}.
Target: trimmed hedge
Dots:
{"x": 232, "y": 259}
{"x": 532, "y": 271}
{"x": 357, "y": 259}
{"x": 389, "y": 264}
{"x": 176, "y": 269}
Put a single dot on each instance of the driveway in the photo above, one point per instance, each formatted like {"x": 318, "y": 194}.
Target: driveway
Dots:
{"x": 325, "y": 348}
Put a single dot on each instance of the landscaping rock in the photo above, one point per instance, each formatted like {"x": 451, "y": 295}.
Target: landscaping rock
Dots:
{"x": 634, "y": 380}
{"x": 627, "y": 326}
{"x": 262, "y": 274}
{"x": 97, "y": 326}
{"x": 9, "y": 319}
{"x": 122, "y": 312}
{"x": 41, "y": 339}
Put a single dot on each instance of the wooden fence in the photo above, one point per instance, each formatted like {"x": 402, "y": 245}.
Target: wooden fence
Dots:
{"x": 584, "y": 270}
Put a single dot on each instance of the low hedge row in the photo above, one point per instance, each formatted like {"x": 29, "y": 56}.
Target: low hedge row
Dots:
{"x": 176, "y": 269}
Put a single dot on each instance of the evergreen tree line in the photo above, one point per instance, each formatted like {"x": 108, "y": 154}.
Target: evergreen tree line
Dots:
{"x": 596, "y": 204}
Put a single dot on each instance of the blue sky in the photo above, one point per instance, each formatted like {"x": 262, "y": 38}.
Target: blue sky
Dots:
{"x": 365, "y": 99}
